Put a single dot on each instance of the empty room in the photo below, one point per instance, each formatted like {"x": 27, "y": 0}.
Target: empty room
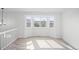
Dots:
{"x": 39, "y": 28}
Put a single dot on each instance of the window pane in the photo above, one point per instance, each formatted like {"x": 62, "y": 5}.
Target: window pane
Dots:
{"x": 51, "y": 24}
{"x": 43, "y": 23}
{"x": 36, "y": 23}
{"x": 28, "y": 23}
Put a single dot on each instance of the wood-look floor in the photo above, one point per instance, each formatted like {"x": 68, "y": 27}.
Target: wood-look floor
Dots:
{"x": 38, "y": 43}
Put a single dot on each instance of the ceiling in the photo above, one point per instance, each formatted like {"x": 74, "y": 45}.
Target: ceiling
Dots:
{"x": 34, "y": 9}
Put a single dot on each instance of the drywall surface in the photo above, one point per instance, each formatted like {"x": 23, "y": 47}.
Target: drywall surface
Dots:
{"x": 71, "y": 27}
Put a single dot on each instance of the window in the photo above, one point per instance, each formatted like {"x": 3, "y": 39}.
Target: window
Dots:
{"x": 36, "y": 23}
{"x": 40, "y": 21}
{"x": 51, "y": 21}
{"x": 43, "y": 23}
{"x": 51, "y": 24}
{"x": 28, "y": 23}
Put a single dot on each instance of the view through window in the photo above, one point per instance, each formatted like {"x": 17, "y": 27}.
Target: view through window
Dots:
{"x": 40, "y": 21}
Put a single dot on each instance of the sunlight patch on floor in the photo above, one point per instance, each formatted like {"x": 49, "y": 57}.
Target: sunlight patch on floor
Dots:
{"x": 42, "y": 44}
{"x": 29, "y": 45}
{"x": 54, "y": 44}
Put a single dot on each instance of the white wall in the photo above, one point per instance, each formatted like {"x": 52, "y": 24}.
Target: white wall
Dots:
{"x": 7, "y": 34}
{"x": 71, "y": 27}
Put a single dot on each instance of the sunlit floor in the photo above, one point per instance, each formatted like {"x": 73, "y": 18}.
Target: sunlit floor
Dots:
{"x": 39, "y": 43}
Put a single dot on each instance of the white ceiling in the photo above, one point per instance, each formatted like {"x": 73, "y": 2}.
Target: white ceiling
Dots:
{"x": 34, "y": 9}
